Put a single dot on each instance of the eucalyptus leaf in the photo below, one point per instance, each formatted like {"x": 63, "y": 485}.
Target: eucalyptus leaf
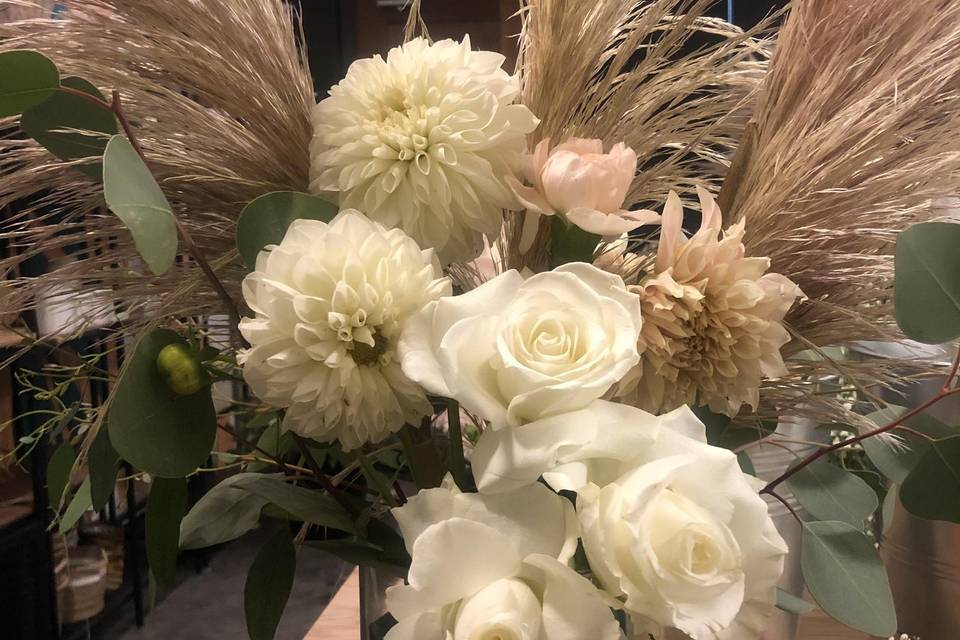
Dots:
{"x": 78, "y": 505}
{"x": 896, "y": 458}
{"x": 570, "y": 243}
{"x": 361, "y": 554}
{"x": 932, "y": 490}
{"x": 828, "y": 492}
{"x": 135, "y": 197}
{"x": 58, "y": 473}
{"x": 165, "y": 508}
{"x": 102, "y": 461}
{"x": 225, "y": 513}
{"x": 792, "y": 604}
{"x": 268, "y": 585}
{"x": 46, "y": 123}
{"x": 845, "y": 575}
{"x": 306, "y": 505}
{"x": 27, "y": 78}
{"x": 927, "y": 282}
{"x": 264, "y": 221}
{"x": 156, "y": 430}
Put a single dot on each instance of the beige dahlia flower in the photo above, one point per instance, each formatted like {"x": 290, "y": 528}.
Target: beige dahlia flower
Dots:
{"x": 712, "y": 318}
{"x": 423, "y": 141}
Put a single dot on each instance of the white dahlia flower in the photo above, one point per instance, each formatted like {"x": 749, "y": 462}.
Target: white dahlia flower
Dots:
{"x": 712, "y": 318}
{"x": 329, "y": 302}
{"x": 424, "y": 141}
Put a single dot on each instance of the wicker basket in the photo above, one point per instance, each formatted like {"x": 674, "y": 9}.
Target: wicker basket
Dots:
{"x": 110, "y": 539}
{"x": 82, "y": 594}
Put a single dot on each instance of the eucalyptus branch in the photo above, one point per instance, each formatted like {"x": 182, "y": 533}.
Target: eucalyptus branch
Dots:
{"x": 894, "y": 424}
{"x": 784, "y": 502}
{"x": 115, "y": 107}
{"x": 321, "y": 477}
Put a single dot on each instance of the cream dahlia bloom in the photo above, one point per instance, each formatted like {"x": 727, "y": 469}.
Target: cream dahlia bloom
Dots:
{"x": 713, "y": 318}
{"x": 329, "y": 302}
{"x": 423, "y": 141}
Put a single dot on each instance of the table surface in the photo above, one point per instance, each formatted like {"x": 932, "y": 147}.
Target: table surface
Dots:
{"x": 341, "y": 619}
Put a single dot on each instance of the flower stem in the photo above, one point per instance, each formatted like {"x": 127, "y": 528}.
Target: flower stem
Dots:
{"x": 413, "y": 459}
{"x": 458, "y": 466}
{"x": 943, "y": 393}
{"x": 375, "y": 478}
{"x": 321, "y": 477}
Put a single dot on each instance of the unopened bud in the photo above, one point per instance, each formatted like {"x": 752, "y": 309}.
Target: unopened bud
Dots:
{"x": 180, "y": 369}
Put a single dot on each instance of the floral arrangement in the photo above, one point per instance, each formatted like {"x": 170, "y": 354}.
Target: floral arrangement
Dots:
{"x": 508, "y": 338}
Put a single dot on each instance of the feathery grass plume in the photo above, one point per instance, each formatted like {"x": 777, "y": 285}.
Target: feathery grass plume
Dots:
{"x": 855, "y": 131}
{"x": 659, "y": 76}
{"x": 219, "y": 94}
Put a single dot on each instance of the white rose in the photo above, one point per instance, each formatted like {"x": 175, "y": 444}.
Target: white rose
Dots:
{"x": 670, "y": 524}
{"x": 515, "y": 350}
{"x": 493, "y": 568}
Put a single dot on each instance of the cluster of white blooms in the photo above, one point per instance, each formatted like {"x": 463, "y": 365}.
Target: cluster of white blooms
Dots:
{"x": 354, "y": 324}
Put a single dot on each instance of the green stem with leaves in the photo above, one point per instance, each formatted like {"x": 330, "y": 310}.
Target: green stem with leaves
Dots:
{"x": 944, "y": 392}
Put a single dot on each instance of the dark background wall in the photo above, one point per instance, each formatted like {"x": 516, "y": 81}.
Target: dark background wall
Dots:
{"x": 340, "y": 31}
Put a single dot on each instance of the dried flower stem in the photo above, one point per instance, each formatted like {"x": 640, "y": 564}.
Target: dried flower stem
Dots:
{"x": 943, "y": 393}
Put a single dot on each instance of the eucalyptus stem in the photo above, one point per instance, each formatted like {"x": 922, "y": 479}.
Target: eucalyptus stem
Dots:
{"x": 894, "y": 424}
{"x": 116, "y": 108}
{"x": 304, "y": 445}
{"x": 375, "y": 478}
{"x": 458, "y": 466}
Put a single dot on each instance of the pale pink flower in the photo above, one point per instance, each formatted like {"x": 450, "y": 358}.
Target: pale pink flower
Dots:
{"x": 712, "y": 318}
{"x": 578, "y": 180}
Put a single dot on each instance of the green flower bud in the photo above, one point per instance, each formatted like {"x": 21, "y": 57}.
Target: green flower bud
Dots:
{"x": 180, "y": 369}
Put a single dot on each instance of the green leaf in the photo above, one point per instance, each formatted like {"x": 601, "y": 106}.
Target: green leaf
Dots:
{"x": 828, "y": 492}
{"x": 102, "y": 461}
{"x": 896, "y": 461}
{"x": 225, "y": 513}
{"x": 746, "y": 464}
{"x": 26, "y": 78}
{"x": 306, "y": 505}
{"x": 716, "y": 423}
{"x": 932, "y": 490}
{"x": 44, "y": 123}
{"x": 165, "y": 508}
{"x": 58, "y": 473}
{"x": 81, "y": 502}
{"x": 845, "y": 575}
{"x": 265, "y": 220}
{"x": 792, "y": 604}
{"x": 570, "y": 243}
{"x": 927, "y": 282}
{"x": 135, "y": 197}
{"x": 268, "y": 586}
{"x": 362, "y": 555}
{"x": 156, "y": 430}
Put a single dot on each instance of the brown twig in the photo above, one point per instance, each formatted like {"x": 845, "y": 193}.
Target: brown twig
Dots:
{"x": 321, "y": 477}
{"x": 943, "y": 393}
{"x": 784, "y": 502}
